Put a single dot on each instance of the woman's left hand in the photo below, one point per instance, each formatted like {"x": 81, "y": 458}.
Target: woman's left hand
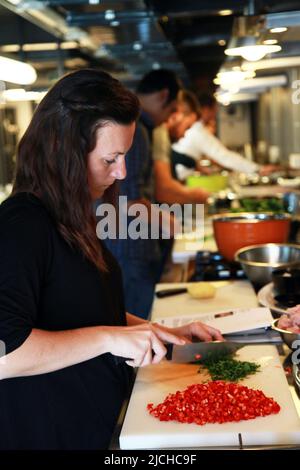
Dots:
{"x": 195, "y": 329}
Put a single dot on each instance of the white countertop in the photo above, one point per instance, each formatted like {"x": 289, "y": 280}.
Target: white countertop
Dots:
{"x": 229, "y": 295}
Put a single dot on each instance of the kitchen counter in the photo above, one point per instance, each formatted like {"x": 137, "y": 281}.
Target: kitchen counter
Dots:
{"x": 234, "y": 294}
{"x": 155, "y": 382}
{"x": 229, "y": 295}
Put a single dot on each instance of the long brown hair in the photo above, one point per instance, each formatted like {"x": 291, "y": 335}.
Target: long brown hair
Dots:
{"x": 52, "y": 155}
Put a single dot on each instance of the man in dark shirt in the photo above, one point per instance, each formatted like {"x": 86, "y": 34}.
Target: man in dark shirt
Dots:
{"x": 140, "y": 259}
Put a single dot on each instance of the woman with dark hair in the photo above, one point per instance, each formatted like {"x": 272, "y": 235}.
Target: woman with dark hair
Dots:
{"x": 68, "y": 341}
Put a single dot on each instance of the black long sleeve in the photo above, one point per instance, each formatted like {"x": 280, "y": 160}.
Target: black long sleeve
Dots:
{"x": 46, "y": 284}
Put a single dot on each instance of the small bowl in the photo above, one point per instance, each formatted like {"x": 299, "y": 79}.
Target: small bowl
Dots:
{"x": 287, "y": 336}
{"x": 286, "y": 281}
{"x": 213, "y": 183}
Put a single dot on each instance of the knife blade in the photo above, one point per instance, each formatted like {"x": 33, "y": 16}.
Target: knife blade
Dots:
{"x": 194, "y": 352}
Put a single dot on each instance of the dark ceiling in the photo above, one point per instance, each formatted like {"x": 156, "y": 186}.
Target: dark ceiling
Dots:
{"x": 127, "y": 38}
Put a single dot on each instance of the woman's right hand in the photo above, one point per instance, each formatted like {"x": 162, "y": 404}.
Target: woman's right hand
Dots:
{"x": 140, "y": 344}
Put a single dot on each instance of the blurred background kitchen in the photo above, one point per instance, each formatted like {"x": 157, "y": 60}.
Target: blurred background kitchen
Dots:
{"x": 256, "y": 88}
{"x": 243, "y": 53}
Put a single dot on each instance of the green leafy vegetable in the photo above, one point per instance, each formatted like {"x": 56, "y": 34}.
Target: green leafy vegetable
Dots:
{"x": 260, "y": 205}
{"x": 224, "y": 367}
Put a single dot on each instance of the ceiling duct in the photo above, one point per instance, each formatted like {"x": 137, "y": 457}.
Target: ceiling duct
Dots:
{"x": 38, "y": 13}
{"x": 114, "y": 17}
{"x": 284, "y": 19}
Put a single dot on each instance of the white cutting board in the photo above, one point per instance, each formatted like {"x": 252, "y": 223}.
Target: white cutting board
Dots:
{"x": 231, "y": 295}
{"x": 142, "y": 431}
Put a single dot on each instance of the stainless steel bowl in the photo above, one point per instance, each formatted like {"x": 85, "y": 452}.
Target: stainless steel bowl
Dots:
{"x": 287, "y": 336}
{"x": 258, "y": 261}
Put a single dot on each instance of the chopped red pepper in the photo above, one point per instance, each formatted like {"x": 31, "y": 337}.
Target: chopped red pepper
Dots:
{"x": 288, "y": 370}
{"x": 214, "y": 402}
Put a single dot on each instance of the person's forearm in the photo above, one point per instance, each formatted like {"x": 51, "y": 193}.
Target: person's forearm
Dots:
{"x": 214, "y": 149}
{"x": 47, "y": 351}
{"x": 169, "y": 191}
{"x": 173, "y": 191}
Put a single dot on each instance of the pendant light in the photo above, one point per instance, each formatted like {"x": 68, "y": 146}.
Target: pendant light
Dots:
{"x": 250, "y": 49}
{"x": 247, "y": 37}
{"x": 15, "y": 71}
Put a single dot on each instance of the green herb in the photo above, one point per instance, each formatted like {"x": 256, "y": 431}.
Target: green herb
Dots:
{"x": 224, "y": 367}
{"x": 272, "y": 204}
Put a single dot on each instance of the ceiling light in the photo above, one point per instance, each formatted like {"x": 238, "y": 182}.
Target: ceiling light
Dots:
{"x": 227, "y": 98}
{"x": 137, "y": 46}
{"x": 19, "y": 94}
{"x": 231, "y": 79}
{"x": 43, "y": 46}
{"x": 223, "y": 98}
{"x": 278, "y": 30}
{"x": 109, "y": 15}
{"x": 69, "y": 45}
{"x": 280, "y": 63}
{"x": 10, "y": 48}
{"x": 235, "y": 75}
{"x": 248, "y": 48}
{"x": 15, "y": 71}
{"x": 225, "y": 12}
{"x": 46, "y": 46}
{"x": 227, "y": 87}
{"x": 222, "y": 42}
{"x": 270, "y": 42}
{"x": 263, "y": 83}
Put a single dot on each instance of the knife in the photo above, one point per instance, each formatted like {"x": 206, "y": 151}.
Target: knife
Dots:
{"x": 200, "y": 350}
{"x": 194, "y": 352}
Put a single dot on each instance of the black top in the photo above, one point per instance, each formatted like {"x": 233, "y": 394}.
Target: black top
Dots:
{"x": 48, "y": 285}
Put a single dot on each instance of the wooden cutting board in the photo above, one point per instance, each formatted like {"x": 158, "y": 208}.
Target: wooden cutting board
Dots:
{"x": 142, "y": 431}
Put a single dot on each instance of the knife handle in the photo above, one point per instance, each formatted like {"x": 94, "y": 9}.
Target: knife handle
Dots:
{"x": 169, "y": 348}
{"x": 168, "y": 292}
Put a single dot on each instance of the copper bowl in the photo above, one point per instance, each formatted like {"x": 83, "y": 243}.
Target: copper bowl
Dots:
{"x": 234, "y": 231}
